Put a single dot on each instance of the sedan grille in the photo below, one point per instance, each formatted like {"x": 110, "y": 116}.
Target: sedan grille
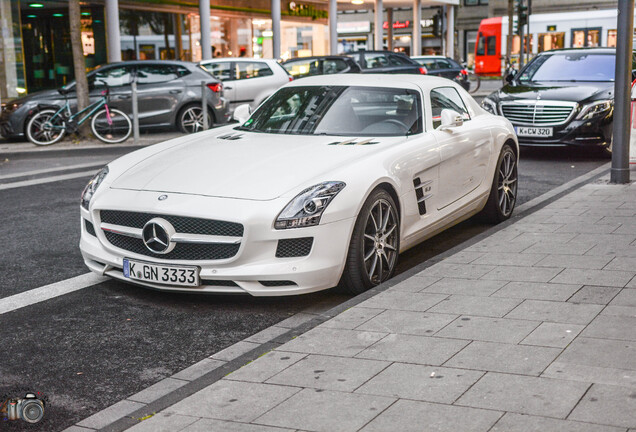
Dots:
{"x": 538, "y": 113}
{"x": 181, "y": 224}
{"x": 194, "y": 239}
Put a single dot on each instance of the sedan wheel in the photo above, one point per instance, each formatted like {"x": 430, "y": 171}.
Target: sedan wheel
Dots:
{"x": 503, "y": 193}
{"x": 374, "y": 246}
{"x": 191, "y": 119}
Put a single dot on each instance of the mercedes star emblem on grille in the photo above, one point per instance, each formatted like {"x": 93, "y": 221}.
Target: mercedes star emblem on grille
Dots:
{"x": 157, "y": 235}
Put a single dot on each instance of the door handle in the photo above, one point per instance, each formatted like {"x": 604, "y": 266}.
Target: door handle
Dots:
{"x": 123, "y": 96}
{"x": 228, "y": 87}
{"x": 175, "y": 91}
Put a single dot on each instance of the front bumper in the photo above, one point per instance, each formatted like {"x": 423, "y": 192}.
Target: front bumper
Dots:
{"x": 254, "y": 269}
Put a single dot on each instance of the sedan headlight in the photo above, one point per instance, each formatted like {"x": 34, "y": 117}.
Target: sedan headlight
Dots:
{"x": 594, "y": 109}
{"x": 92, "y": 186}
{"x": 308, "y": 206}
{"x": 489, "y": 106}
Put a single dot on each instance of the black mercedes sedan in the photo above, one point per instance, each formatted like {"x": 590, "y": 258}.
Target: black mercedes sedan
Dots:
{"x": 561, "y": 97}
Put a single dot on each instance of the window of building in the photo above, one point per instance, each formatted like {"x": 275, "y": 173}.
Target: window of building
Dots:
{"x": 475, "y": 2}
{"x": 611, "y": 38}
{"x": 586, "y": 37}
{"x": 550, "y": 41}
{"x": 470, "y": 39}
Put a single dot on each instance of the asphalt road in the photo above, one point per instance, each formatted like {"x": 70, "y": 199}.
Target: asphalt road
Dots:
{"x": 90, "y": 349}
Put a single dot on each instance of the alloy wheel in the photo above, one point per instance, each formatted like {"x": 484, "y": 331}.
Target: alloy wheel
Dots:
{"x": 192, "y": 120}
{"x": 380, "y": 241}
{"x": 507, "y": 184}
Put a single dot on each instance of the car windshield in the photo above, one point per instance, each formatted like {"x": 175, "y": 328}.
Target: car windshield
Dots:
{"x": 339, "y": 110}
{"x": 570, "y": 67}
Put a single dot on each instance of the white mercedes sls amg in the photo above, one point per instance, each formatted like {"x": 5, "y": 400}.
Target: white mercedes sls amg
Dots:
{"x": 322, "y": 186}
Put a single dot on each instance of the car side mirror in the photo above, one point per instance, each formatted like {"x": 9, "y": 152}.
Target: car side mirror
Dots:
{"x": 510, "y": 76}
{"x": 242, "y": 113}
{"x": 451, "y": 119}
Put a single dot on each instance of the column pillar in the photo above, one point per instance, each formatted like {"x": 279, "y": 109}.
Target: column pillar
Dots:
{"x": 204, "y": 24}
{"x": 417, "y": 28}
{"x": 276, "y": 29}
{"x": 333, "y": 27}
{"x": 378, "y": 33}
{"x": 113, "y": 39}
{"x": 450, "y": 31}
{"x": 389, "y": 30}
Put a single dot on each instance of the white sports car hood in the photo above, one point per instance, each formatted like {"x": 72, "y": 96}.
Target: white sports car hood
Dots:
{"x": 253, "y": 166}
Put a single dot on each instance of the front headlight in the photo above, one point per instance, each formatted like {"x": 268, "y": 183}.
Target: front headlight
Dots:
{"x": 594, "y": 109}
{"x": 489, "y": 106}
{"x": 308, "y": 206}
{"x": 92, "y": 186}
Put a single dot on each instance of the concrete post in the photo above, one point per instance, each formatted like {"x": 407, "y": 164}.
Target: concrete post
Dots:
{"x": 333, "y": 27}
{"x": 389, "y": 30}
{"x": 204, "y": 24}
{"x": 135, "y": 113}
{"x": 450, "y": 31}
{"x": 204, "y": 105}
{"x": 113, "y": 40}
{"x": 621, "y": 125}
{"x": 276, "y": 29}
{"x": 379, "y": 21}
{"x": 417, "y": 28}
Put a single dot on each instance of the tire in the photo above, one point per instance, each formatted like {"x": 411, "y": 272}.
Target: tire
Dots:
{"x": 190, "y": 119}
{"x": 112, "y": 126}
{"x": 374, "y": 246}
{"x": 42, "y": 131}
{"x": 503, "y": 192}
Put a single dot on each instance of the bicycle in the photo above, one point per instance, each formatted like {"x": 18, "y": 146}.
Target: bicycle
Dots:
{"x": 473, "y": 79}
{"x": 51, "y": 123}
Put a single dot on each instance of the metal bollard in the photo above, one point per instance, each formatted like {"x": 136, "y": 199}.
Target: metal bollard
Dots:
{"x": 204, "y": 105}
{"x": 135, "y": 114}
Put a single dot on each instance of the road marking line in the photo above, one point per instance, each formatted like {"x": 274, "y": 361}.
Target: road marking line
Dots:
{"x": 48, "y": 170}
{"x": 48, "y": 292}
{"x": 47, "y": 180}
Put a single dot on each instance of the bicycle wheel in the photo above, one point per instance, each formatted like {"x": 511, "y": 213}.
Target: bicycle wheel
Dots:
{"x": 474, "y": 81}
{"x": 45, "y": 128}
{"x": 112, "y": 126}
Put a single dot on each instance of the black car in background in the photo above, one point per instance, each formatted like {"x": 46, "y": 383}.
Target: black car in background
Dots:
{"x": 561, "y": 97}
{"x": 320, "y": 65}
{"x": 446, "y": 67}
{"x": 386, "y": 62}
{"x": 168, "y": 95}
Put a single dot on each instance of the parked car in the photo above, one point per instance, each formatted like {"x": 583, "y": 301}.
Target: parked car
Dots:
{"x": 320, "y": 65}
{"x": 445, "y": 67}
{"x": 326, "y": 182}
{"x": 561, "y": 97}
{"x": 247, "y": 80}
{"x": 169, "y": 96}
{"x": 386, "y": 62}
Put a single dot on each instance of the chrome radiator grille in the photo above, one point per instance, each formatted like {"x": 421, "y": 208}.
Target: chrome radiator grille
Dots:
{"x": 538, "y": 113}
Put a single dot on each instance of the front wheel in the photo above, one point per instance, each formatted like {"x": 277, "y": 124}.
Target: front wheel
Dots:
{"x": 503, "y": 192}
{"x": 45, "y": 128}
{"x": 374, "y": 246}
{"x": 111, "y": 126}
{"x": 191, "y": 119}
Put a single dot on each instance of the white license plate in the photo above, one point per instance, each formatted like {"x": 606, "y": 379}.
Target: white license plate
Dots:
{"x": 533, "y": 131}
{"x": 161, "y": 274}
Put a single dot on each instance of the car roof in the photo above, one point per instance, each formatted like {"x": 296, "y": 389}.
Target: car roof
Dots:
{"x": 411, "y": 81}
{"x": 432, "y": 56}
{"x": 237, "y": 59}
{"x": 325, "y": 57}
{"x": 142, "y": 62}
{"x": 597, "y": 50}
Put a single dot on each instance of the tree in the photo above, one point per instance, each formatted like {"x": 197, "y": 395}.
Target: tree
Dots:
{"x": 79, "y": 65}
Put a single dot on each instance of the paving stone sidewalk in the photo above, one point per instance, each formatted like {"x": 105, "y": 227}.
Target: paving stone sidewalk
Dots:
{"x": 531, "y": 329}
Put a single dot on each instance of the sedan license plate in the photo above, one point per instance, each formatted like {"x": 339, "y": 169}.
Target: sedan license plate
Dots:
{"x": 533, "y": 131}
{"x": 162, "y": 274}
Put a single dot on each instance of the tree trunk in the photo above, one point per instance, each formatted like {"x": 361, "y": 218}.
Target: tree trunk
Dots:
{"x": 166, "y": 31}
{"x": 79, "y": 66}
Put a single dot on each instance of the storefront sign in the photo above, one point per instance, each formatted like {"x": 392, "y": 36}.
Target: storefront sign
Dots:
{"x": 306, "y": 10}
{"x": 354, "y": 27}
{"x": 552, "y": 28}
{"x": 397, "y": 24}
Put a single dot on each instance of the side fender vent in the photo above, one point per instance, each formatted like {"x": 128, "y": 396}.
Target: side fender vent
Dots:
{"x": 230, "y": 136}
{"x": 420, "y": 193}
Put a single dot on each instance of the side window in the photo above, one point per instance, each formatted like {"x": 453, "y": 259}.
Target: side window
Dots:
{"x": 332, "y": 66}
{"x": 182, "y": 71}
{"x": 444, "y": 64}
{"x": 375, "y": 60}
{"x": 248, "y": 70}
{"x": 491, "y": 49}
{"x": 152, "y": 74}
{"x": 221, "y": 70}
{"x": 112, "y": 77}
{"x": 428, "y": 63}
{"x": 397, "y": 60}
{"x": 481, "y": 49}
{"x": 446, "y": 98}
{"x": 303, "y": 68}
